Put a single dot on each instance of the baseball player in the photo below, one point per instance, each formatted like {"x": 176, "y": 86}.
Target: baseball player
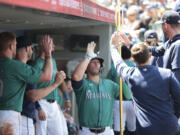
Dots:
{"x": 28, "y": 112}
{"x": 52, "y": 125}
{"x": 13, "y": 78}
{"x": 94, "y": 96}
{"x": 171, "y": 49}
{"x": 151, "y": 39}
{"x": 154, "y": 90}
{"x": 129, "y": 117}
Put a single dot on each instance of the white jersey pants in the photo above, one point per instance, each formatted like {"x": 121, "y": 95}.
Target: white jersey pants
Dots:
{"x": 13, "y": 118}
{"x": 63, "y": 123}
{"x": 53, "y": 123}
{"x": 27, "y": 126}
{"x": 86, "y": 131}
{"x": 129, "y": 116}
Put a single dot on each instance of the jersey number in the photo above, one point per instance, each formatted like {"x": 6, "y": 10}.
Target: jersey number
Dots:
{"x": 1, "y": 88}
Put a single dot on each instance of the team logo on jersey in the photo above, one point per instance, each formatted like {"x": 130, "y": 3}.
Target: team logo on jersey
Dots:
{"x": 96, "y": 95}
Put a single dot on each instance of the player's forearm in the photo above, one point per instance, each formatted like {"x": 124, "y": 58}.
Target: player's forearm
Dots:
{"x": 47, "y": 69}
{"x": 157, "y": 51}
{"x": 64, "y": 89}
{"x": 80, "y": 70}
{"x": 37, "y": 94}
{"x": 119, "y": 64}
{"x": 63, "y": 86}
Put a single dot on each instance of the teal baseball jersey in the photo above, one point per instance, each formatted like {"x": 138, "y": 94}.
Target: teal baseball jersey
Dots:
{"x": 112, "y": 75}
{"x": 60, "y": 100}
{"x": 13, "y": 78}
{"x": 95, "y": 102}
{"x": 39, "y": 63}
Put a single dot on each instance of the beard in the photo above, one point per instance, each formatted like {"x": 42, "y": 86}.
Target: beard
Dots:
{"x": 166, "y": 34}
{"x": 29, "y": 54}
{"x": 93, "y": 73}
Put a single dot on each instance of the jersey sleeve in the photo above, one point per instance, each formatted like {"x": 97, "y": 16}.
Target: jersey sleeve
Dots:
{"x": 157, "y": 51}
{"x": 175, "y": 93}
{"x": 32, "y": 75}
{"x": 112, "y": 75}
{"x": 120, "y": 66}
{"x": 77, "y": 85}
{"x": 116, "y": 90}
{"x": 27, "y": 73}
{"x": 175, "y": 55}
{"x": 30, "y": 87}
{"x": 126, "y": 91}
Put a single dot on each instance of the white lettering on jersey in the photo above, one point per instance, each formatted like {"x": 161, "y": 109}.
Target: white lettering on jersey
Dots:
{"x": 94, "y": 95}
{"x": 88, "y": 95}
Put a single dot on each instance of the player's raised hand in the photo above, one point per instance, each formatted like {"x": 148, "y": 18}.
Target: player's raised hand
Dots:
{"x": 119, "y": 38}
{"x": 46, "y": 44}
{"x": 124, "y": 39}
{"x": 116, "y": 39}
{"x": 90, "y": 49}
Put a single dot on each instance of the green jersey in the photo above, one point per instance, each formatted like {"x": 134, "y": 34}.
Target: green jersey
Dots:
{"x": 112, "y": 75}
{"x": 60, "y": 100}
{"x": 13, "y": 78}
{"x": 95, "y": 102}
{"x": 39, "y": 63}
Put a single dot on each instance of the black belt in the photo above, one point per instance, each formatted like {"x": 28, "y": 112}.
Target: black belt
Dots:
{"x": 95, "y": 130}
{"x": 50, "y": 100}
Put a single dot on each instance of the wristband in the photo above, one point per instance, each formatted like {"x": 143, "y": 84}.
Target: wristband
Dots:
{"x": 88, "y": 57}
{"x": 66, "y": 95}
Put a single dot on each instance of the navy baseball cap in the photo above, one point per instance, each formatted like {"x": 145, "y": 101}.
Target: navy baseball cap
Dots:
{"x": 23, "y": 42}
{"x": 170, "y": 17}
{"x": 150, "y": 34}
{"x": 100, "y": 60}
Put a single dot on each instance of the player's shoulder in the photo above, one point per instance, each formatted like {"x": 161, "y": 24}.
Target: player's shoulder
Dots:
{"x": 108, "y": 81}
{"x": 164, "y": 71}
{"x": 15, "y": 66}
{"x": 17, "y": 63}
{"x": 176, "y": 43}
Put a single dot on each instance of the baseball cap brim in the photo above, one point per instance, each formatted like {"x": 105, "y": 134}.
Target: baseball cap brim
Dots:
{"x": 159, "y": 22}
{"x": 33, "y": 44}
{"x": 100, "y": 59}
